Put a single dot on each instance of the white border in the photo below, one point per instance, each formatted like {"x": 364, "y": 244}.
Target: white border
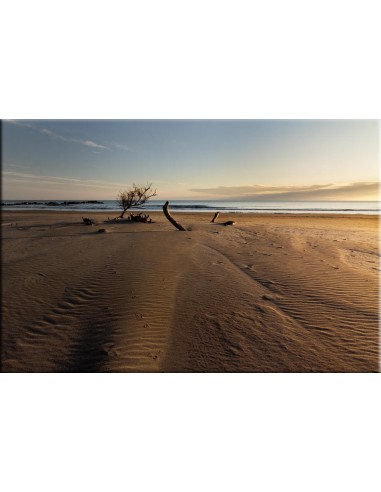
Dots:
{"x": 206, "y": 59}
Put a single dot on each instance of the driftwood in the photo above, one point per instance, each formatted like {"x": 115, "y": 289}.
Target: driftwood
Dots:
{"x": 215, "y": 217}
{"x": 181, "y": 228}
{"x": 170, "y": 218}
{"x": 133, "y": 218}
{"x": 227, "y": 223}
{"x": 88, "y": 221}
{"x": 139, "y": 218}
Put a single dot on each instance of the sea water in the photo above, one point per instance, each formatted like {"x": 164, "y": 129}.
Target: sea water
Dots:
{"x": 210, "y": 206}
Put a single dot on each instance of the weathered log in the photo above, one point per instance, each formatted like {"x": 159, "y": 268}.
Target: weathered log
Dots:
{"x": 215, "y": 217}
{"x": 170, "y": 218}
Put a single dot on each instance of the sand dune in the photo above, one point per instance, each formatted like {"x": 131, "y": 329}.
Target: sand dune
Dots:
{"x": 272, "y": 293}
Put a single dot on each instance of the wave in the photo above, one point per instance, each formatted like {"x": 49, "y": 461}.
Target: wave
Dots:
{"x": 184, "y": 206}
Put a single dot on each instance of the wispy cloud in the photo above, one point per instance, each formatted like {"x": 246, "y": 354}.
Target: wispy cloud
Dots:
{"x": 86, "y": 143}
{"x": 45, "y": 131}
{"x": 20, "y": 123}
{"x": 17, "y": 166}
{"x": 57, "y": 180}
{"x": 121, "y": 147}
{"x": 89, "y": 143}
{"x": 56, "y": 136}
{"x": 290, "y": 193}
{"x": 257, "y": 189}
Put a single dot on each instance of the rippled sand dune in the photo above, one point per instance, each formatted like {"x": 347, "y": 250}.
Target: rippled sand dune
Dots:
{"x": 273, "y": 293}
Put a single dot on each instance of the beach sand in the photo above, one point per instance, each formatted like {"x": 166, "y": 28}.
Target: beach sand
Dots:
{"x": 273, "y": 293}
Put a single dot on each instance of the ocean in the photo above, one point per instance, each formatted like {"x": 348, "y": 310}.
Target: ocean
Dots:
{"x": 368, "y": 208}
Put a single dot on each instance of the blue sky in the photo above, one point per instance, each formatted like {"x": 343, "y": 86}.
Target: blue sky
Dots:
{"x": 233, "y": 159}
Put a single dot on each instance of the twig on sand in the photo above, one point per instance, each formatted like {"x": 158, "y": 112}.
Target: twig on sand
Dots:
{"x": 215, "y": 217}
{"x": 88, "y": 221}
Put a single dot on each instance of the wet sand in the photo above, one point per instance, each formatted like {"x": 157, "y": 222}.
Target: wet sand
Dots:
{"x": 273, "y": 293}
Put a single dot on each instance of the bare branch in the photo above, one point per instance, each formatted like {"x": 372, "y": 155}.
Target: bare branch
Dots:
{"x": 135, "y": 196}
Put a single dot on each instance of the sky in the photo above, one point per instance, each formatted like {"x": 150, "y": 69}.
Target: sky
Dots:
{"x": 283, "y": 160}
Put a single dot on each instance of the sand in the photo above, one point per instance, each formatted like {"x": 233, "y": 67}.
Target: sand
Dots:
{"x": 273, "y": 293}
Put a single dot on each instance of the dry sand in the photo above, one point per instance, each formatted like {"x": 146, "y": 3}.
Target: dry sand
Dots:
{"x": 274, "y": 293}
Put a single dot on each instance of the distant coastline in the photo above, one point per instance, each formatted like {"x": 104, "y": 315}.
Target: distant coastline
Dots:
{"x": 11, "y": 203}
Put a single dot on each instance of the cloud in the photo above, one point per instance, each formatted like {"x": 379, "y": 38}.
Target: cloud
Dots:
{"x": 122, "y": 147}
{"x": 47, "y": 132}
{"x": 256, "y": 189}
{"x": 349, "y": 191}
{"x": 17, "y": 165}
{"x": 20, "y": 123}
{"x": 89, "y": 143}
{"x": 56, "y": 180}
{"x": 56, "y": 136}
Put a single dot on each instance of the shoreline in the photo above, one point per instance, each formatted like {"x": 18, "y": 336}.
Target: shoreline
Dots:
{"x": 201, "y": 213}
